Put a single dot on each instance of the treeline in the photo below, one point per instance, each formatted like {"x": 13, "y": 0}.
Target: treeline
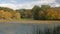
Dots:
{"x": 45, "y": 12}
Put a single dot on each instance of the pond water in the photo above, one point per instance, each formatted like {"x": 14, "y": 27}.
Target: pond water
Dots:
{"x": 19, "y": 28}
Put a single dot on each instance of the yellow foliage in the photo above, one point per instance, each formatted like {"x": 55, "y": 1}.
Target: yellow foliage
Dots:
{"x": 53, "y": 13}
{"x": 17, "y": 15}
{"x": 8, "y": 15}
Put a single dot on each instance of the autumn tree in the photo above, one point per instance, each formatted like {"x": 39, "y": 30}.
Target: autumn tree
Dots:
{"x": 7, "y": 13}
{"x": 17, "y": 15}
{"x": 53, "y": 14}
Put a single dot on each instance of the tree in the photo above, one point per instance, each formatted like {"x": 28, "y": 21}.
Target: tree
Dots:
{"x": 25, "y": 13}
{"x": 28, "y": 13}
{"x": 44, "y": 9}
{"x": 35, "y": 10}
{"x": 17, "y": 15}
{"x": 7, "y": 13}
{"x": 22, "y": 12}
{"x": 53, "y": 14}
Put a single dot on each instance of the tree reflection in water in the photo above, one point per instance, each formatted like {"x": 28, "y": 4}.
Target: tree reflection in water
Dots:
{"x": 55, "y": 30}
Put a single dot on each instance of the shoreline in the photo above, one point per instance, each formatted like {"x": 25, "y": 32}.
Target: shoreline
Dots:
{"x": 30, "y": 21}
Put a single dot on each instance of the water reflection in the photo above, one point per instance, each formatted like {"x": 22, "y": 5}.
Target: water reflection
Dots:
{"x": 29, "y": 28}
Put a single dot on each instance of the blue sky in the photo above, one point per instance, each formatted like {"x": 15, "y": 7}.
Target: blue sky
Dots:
{"x": 27, "y": 4}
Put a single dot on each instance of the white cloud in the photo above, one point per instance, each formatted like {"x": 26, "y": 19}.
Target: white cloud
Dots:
{"x": 27, "y": 5}
{"x": 8, "y": 5}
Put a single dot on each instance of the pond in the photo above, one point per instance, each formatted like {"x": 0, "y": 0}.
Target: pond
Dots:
{"x": 20, "y": 28}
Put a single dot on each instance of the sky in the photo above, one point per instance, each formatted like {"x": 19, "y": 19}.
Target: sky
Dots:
{"x": 27, "y": 4}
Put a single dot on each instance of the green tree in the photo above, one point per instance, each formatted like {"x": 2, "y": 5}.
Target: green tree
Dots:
{"x": 44, "y": 9}
{"x": 35, "y": 10}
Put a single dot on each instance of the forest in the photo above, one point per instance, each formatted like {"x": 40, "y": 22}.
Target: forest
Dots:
{"x": 45, "y": 12}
